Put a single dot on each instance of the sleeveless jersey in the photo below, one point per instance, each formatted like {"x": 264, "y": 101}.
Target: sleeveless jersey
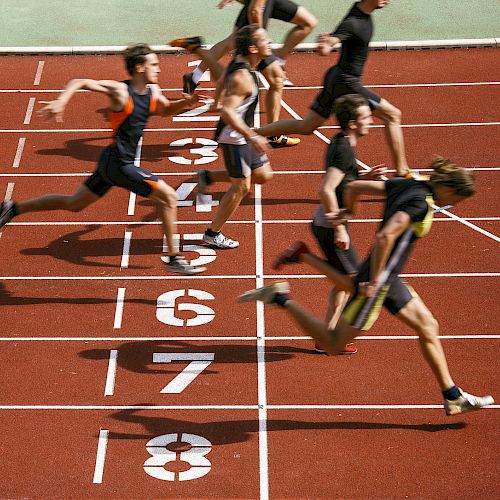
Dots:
{"x": 128, "y": 124}
{"x": 225, "y": 134}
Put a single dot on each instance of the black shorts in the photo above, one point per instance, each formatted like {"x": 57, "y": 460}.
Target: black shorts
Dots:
{"x": 362, "y": 312}
{"x": 345, "y": 261}
{"x": 283, "y": 10}
{"x": 240, "y": 160}
{"x": 111, "y": 171}
{"x": 336, "y": 84}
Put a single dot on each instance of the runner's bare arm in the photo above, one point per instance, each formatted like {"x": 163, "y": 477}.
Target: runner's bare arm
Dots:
{"x": 326, "y": 42}
{"x": 255, "y": 12}
{"x": 239, "y": 87}
{"x": 116, "y": 91}
{"x": 384, "y": 243}
{"x": 165, "y": 107}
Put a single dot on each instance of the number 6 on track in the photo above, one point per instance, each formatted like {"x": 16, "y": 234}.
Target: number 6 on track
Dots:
{"x": 198, "y": 362}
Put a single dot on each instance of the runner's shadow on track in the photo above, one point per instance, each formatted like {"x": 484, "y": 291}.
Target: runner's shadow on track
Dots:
{"x": 71, "y": 248}
{"x": 237, "y": 431}
{"x": 85, "y": 149}
{"x": 137, "y": 356}
{"x": 79, "y": 149}
{"x": 9, "y": 299}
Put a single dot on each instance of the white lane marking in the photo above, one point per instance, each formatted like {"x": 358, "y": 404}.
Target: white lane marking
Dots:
{"x": 131, "y": 203}
{"x": 312, "y": 87}
{"x": 126, "y": 249}
{"x": 276, "y": 172}
{"x": 211, "y": 339}
{"x": 233, "y": 276}
{"x": 101, "y": 455}
{"x": 29, "y": 111}
{"x": 120, "y": 299}
{"x": 9, "y": 191}
{"x": 111, "y": 374}
{"x": 19, "y": 152}
{"x": 210, "y": 129}
{"x": 39, "y": 71}
{"x": 228, "y": 407}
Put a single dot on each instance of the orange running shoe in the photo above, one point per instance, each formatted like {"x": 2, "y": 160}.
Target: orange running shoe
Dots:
{"x": 190, "y": 43}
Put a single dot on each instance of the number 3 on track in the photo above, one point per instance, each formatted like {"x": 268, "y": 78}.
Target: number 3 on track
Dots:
{"x": 161, "y": 456}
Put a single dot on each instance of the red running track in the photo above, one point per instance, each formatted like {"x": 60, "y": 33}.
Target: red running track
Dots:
{"x": 88, "y": 332}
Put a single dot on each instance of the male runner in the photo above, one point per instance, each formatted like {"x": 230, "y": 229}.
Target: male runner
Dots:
{"x": 131, "y": 103}
{"x": 407, "y": 216}
{"x": 354, "y": 117}
{"x": 259, "y": 12}
{"x": 354, "y": 33}
{"x": 244, "y": 151}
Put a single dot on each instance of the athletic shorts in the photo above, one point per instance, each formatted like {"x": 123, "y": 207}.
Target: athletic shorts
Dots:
{"x": 283, "y": 10}
{"x": 240, "y": 160}
{"x": 345, "y": 261}
{"x": 111, "y": 171}
{"x": 336, "y": 84}
{"x": 362, "y": 312}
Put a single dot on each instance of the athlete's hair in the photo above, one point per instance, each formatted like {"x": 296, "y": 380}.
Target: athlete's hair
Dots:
{"x": 346, "y": 108}
{"x": 446, "y": 173}
{"x": 135, "y": 54}
{"x": 245, "y": 38}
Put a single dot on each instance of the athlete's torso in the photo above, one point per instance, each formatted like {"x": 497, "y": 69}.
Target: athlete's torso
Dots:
{"x": 226, "y": 134}
{"x": 128, "y": 124}
{"x": 341, "y": 155}
{"x": 355, "y": 32}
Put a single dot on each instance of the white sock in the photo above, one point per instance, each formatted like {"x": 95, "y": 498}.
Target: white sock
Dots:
{"x": 197, "y": 74}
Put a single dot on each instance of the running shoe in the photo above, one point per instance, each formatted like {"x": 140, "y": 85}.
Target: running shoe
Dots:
{"x": 203, "y": 181}
{"x": 188, "y": 84}
{"x": 267, "y": 293}
{"x": 189, "y": 43}
{"x": 466, "y": 402}
{"x": 283, "y": 141}
{"x": 291, "y": 255}
{"x": 220, "y": 241}
{"x": 6, "y": 212}
{"x": 348, "y": 350}
{"x": 180, "y": 265}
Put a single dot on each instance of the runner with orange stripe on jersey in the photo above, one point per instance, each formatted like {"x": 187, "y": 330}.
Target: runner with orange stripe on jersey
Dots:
{"x": 132, "y": 102}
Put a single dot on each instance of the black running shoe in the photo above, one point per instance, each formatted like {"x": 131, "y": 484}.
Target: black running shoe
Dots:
{"x": 6, "y": 212}
{"x": 188, "y": 85}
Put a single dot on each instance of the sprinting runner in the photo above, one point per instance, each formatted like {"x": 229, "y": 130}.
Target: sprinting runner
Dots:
{"x": 259, "y": 12}
{"x": 244, "y": 151}
{"x": 407, "y": 216}
{"x": 132, "y": 102}
{"x": 354, "y": 33}
{"x": 354, "y": 117}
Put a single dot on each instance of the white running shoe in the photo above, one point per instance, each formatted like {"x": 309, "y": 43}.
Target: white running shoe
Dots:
{"x": 266, "y": 293}
{"x": 220, "y": 241}
{"x": 466, "y": 402}
{"x": 180, "y": 265}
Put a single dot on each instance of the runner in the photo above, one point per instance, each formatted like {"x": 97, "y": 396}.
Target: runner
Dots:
{"x": 407, "y": 216}
{"x": 244, "y": 151}
{"x": 354, "y": 117}
{"x": 259, "y": 12}
{"x": 131, "y": 103}
{"x": 354, "y": 33}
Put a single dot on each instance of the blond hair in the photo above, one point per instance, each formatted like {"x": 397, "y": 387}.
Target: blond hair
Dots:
{"x": 446, "y": 173}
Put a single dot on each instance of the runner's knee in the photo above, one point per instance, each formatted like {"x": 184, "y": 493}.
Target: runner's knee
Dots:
{"x": 262, "y": 177}
{"x": 166, "y": 195}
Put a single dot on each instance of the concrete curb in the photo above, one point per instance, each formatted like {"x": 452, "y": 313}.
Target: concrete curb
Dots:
{"x": 303, "y": 47}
